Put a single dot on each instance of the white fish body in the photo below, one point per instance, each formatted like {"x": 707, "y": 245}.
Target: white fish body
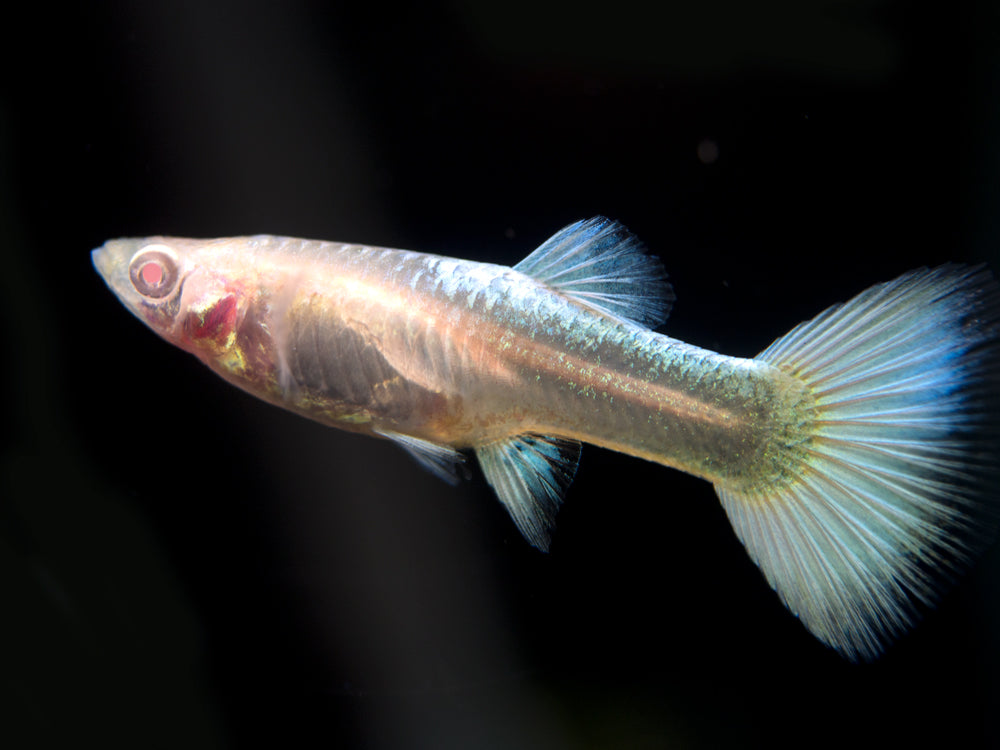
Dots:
{"x": 848, "y": 455}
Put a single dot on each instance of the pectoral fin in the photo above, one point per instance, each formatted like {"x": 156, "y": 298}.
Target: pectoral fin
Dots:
{"x": 530, "y": 474}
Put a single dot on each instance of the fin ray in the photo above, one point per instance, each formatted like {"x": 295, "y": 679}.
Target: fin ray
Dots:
{"x": 893, "y": 489}
{"x": 440, "y": 460}
{"x": 599, "y": 263}
{"x": 530, "y": 474}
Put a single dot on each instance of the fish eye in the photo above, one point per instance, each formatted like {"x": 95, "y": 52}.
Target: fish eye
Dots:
{"x": 153, "y": 271}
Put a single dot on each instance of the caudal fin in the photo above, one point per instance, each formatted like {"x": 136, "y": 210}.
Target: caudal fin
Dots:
{"x": 895, "y": 491}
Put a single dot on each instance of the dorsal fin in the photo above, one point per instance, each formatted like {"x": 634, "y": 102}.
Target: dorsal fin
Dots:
{"x": 599, "y": 263}
{"x": 530, "y": 474}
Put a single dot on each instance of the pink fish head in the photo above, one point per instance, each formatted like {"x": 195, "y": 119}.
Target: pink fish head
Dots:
{"x": 187, "y": 291}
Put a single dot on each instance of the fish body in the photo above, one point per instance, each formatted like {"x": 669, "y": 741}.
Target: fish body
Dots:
{"x": 847, "y": 455}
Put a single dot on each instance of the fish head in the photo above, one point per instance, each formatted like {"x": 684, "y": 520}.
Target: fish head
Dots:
{"x": 185, "y": 290}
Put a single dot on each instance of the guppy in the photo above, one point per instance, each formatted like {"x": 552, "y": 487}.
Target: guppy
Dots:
{"x": 851, "y": 456}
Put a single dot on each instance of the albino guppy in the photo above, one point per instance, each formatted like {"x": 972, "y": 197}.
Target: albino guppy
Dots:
{"x": 851, "y": 456}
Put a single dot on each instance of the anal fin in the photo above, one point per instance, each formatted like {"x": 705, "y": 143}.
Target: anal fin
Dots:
{"x": 530, "y": 474}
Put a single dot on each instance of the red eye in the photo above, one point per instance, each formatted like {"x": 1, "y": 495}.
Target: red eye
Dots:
{"x": 151, "y": 274}
{"x": 154, "y": 271}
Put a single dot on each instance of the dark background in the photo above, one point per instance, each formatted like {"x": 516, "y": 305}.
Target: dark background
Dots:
{"x": 183, "y": 566}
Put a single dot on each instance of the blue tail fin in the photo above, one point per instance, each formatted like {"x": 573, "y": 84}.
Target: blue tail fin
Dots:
{"x": 895, "y": 491}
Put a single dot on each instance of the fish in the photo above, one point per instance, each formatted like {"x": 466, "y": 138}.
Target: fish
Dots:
{"x": 854, "y": 457}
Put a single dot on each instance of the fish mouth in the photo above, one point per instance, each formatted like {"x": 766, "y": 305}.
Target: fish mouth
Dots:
{"x": 111, "y": 263}
{"x": 101, "y": 259}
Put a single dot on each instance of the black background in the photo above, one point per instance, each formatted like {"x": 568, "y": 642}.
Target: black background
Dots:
{"x": 183, "y": 566}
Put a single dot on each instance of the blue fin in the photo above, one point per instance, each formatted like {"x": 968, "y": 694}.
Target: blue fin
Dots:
{"x": 439, "y": 460}
{"x": 530, "y": 473}
{"x": 895, "y": 488}
{"x": 599, "y": 263}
